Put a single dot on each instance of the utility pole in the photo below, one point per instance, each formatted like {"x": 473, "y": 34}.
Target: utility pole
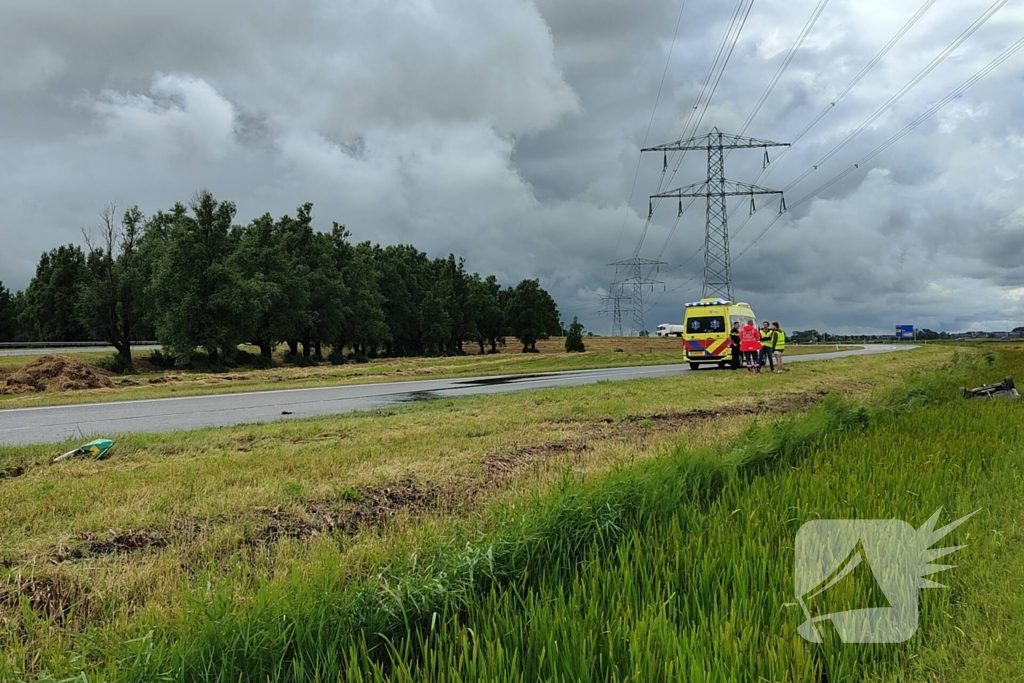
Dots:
{"x": 617, "y": 312}
{"x": 717, "y": 266}
{"x": 637, "y": 274}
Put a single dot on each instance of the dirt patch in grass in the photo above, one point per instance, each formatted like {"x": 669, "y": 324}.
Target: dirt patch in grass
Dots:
{"x": 502, "y": 466}
{"x": 55, "y": 373}
{"x": 52, "y": 597}
{"x": 367, "y": 507}
{"x": 89, "y": 545}
{"x": 113, "y": 542}
{"x": 11, "y": 471}
{"x": 164, "y": 379}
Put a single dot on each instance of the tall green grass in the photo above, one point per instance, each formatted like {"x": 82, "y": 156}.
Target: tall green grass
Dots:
{"x": 676, "y": 569}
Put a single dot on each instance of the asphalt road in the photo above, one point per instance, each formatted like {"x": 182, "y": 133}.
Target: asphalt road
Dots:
{"x": 20, "y": 426}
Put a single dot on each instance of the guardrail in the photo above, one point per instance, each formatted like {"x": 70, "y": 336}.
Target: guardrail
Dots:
{"x": 63, "y": 345}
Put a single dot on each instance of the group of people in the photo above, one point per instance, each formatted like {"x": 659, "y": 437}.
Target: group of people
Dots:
{"x": 755, "y": 348}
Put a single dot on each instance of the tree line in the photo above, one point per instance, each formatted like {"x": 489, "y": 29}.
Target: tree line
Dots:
{"x": 198, "y": 283}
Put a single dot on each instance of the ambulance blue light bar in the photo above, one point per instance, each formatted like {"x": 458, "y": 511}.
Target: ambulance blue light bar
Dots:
{"x": 709, "y": 303}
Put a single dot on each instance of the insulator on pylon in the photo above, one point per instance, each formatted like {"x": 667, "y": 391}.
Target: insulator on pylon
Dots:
{"x": 650, "y": 209}
{"x": 782, "y": 204}
{"x": 766, "y": 159}
{"x": 665, "y": 167}
{"x": 752, "y": 207}
{"x": 680, "y": 206}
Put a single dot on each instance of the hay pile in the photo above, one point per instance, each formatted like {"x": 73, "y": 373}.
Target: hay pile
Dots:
{"x": 54, "y": 373}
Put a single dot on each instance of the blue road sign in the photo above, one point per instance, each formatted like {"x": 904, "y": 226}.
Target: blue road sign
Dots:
{"x": 904, "y": 331}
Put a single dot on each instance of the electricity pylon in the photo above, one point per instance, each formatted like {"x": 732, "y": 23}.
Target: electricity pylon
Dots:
{"x": 635, "y": 268}
{"x": 717, "y": 267}
{"x": 617, "y": 314}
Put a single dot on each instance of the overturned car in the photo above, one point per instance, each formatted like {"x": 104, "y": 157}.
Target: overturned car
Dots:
{"x": 1004, "y": 389}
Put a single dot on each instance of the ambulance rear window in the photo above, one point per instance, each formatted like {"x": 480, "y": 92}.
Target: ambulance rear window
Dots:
{"x": 712, "y": 324}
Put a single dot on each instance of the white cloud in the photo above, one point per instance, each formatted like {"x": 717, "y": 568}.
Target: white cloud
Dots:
{"x": 182, "y": 116}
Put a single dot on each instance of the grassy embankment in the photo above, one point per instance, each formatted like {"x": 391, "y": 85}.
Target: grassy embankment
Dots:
{"x": 602, "y": 352}
{"x": 673, "y": 568}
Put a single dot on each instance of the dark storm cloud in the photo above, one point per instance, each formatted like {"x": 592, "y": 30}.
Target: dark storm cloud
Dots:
{"x": 509, "y": 132}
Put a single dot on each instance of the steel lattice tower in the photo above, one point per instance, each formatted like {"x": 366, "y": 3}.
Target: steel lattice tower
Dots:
{"x": 637, "y": 279}
{"x": 617, "y": 312}
{"x": 716, "y": 189}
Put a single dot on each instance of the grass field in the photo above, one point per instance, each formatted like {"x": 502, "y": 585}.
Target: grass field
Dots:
{"x": 622, "y": 531}
{"x": 602, "y": 352}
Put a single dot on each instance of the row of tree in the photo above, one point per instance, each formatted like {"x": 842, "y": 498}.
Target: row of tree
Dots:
{"x": 192, "y": 279}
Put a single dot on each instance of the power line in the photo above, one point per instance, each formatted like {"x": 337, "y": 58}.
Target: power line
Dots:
{"x": 657, "y": 99}
{"x": 722, "y": 50}
{"x": 862, "y": 73}
{"x": 892, "y": 100}
{"x": 785, "y": 63}
{"x": 938, "y": 59}
{"x": 714, "y": 69}
{"x": 801, "y": 37}
{"x": 984, "y": 71}
{"x": 884, "y": 50}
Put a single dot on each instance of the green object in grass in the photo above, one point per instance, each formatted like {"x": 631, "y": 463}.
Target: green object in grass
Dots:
{"x": 97, "y": 449}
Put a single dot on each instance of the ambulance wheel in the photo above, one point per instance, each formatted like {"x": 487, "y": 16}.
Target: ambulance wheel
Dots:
{"x": 723, "y": 364}
{"x": 694, "y": 366}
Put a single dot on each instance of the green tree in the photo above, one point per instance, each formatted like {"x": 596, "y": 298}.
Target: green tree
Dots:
{"x": 489, "y": 324}
{"x": 362, "y": 326}
{"x": 274, "y": 284}
{"x": 112, "y": 301}
{"x": 310, "y": 257}
{"x": 198, "y": 293}
{"x": 403, "y": 278}
{"x": 52, "y": 302}
{"x": 574, "y": 337}
{"x": 532, "y": 314}
{"x": 436, "y": 321}
{"x": 8, "y": 316}
{"x": 804, "y": 336}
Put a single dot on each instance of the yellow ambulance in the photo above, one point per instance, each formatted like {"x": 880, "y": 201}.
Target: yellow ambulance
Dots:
{"x": 706, "y": 325}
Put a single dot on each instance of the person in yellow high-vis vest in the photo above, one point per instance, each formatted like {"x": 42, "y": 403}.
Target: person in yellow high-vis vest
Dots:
{"x": 780, "y": 345}
{"x": 767, "y": 353}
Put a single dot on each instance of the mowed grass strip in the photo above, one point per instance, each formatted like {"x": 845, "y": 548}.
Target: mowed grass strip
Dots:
{"x": 601, "y": 353}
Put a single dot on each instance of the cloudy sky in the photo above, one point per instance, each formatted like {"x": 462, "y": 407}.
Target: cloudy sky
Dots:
{"x": 508, "y": 131}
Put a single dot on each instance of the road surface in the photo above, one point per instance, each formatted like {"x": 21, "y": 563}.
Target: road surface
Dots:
{"x": 19, "y": 426}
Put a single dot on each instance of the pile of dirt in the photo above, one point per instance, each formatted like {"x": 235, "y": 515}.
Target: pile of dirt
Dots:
{"x": 54, "y": 373}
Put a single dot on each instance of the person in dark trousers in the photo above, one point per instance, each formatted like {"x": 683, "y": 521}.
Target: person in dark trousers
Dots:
{"x": 750, "y": 346}
{"x": 734, "y": 337}
{"x": 767, "y": 347}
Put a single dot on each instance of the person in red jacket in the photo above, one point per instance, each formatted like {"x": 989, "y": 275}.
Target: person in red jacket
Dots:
{"x": 750, "y": 345}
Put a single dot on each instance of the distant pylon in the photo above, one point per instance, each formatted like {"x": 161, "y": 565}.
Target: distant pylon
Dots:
{"x": 635, "y": 278}
{"x": 617, "y": 312}
{"x": 717, "y": 267}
